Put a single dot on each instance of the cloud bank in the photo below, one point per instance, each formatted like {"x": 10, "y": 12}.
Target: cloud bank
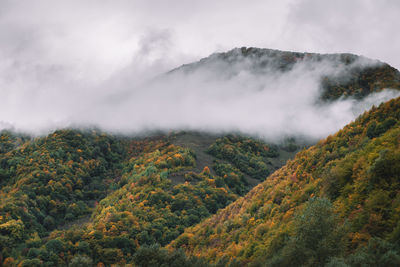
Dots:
{"x": 230, "y": 95}
{"x": 226, "y": 96}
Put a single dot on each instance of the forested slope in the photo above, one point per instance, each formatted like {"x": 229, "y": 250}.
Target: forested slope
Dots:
{"x": 331, "y": 200}
{"x": 89, "y": 195}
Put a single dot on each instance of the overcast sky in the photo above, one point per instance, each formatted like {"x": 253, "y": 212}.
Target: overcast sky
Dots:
{"x": 70, "y": 49}
{"x": 95, "y": 35}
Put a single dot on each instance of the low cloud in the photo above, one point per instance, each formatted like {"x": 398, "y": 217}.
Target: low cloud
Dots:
{"x": 225, "y": 96}
{"x": 230, "y": 95}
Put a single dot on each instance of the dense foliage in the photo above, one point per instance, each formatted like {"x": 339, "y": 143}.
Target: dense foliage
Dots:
{"x": 332, "y": 204}
{"x": 138, "y": 193}
{"x": 49, "y": 181}
{"x": 248, "y": 155}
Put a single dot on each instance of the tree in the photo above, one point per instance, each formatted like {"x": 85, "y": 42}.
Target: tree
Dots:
{"x": 80, "y": 261}
{"x": 55, "y": 246}
{"x": 317, "y": 237}
{"x": 378, "y": 253}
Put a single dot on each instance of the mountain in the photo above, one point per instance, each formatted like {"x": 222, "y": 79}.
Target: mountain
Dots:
{"x": 85, "y": 197}
{"x": 330, "y": 201}
{"x": 338, "y": 74}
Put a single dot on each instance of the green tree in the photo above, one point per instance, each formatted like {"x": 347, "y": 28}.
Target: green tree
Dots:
{"x": 317, "y": 237}
{"x": 80, "y": 261}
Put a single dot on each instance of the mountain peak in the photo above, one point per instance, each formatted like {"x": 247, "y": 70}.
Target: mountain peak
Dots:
{"x": 339, "y": 74}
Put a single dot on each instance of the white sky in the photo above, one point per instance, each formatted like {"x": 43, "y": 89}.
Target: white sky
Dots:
{"x": 102, "y": 35}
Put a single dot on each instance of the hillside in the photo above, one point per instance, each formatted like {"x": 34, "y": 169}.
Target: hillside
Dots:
{"x": 49, "y": 181}
{"x": 70, "y": 185}
{"x": 339, "y": 198}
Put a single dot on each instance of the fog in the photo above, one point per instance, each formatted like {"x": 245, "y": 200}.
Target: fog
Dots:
{"x": 102, "y": 64}
{"x": 235, "y": 96}
{"x": 217, "y": 96}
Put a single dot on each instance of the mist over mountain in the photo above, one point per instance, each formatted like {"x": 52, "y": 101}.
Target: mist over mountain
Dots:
{"x": 333, "y": 204}
{"x": 205, "y": 140}
{"x": 261, "y": 92}
{"x": 85, "y": 197}
{"x": 341, "y": 74}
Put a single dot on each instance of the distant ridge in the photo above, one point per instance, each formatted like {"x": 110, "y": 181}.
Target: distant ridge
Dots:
{"x": 359, "y": 77}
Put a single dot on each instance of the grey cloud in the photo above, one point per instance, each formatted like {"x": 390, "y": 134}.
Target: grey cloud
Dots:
{"x": 223, "y": 96}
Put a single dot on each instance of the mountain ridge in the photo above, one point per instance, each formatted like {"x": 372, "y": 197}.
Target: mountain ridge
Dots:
{"x": 373, "y": 76}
